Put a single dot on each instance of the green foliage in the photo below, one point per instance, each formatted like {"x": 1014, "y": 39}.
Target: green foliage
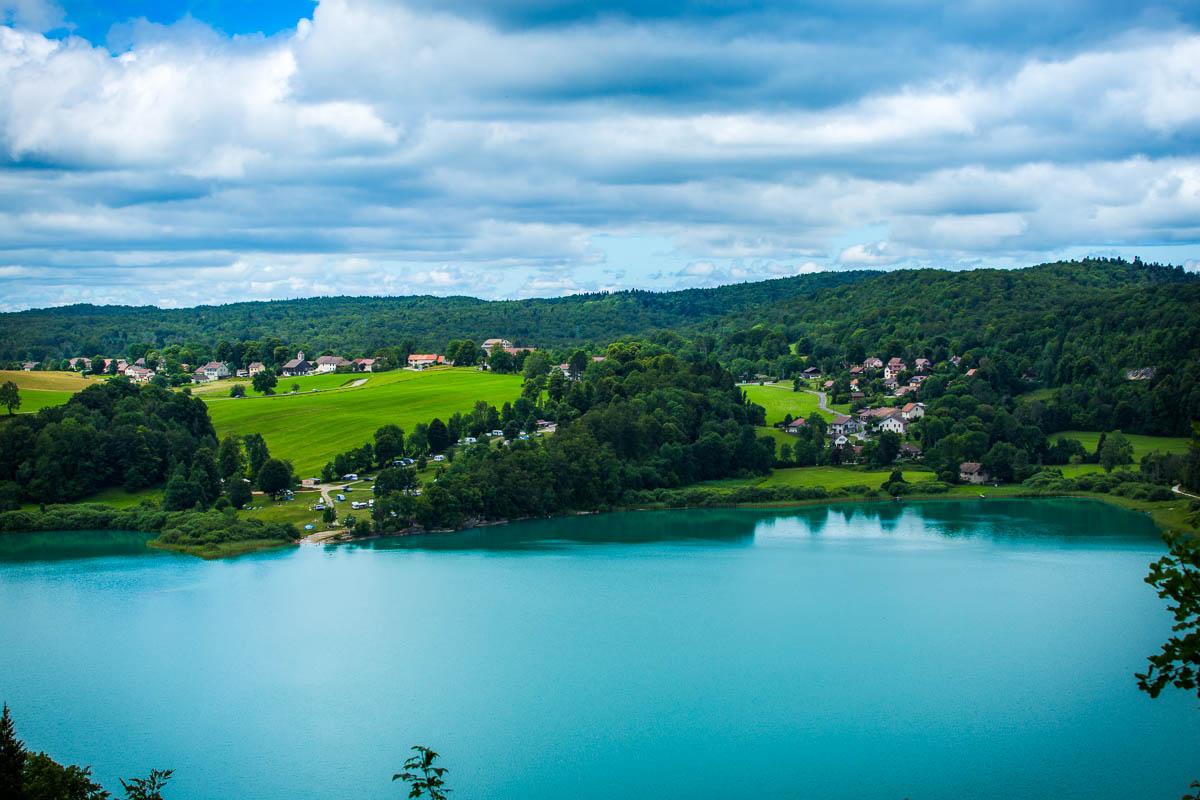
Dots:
{"x": 1176, "y": 578}
{"x": 46, "y": 779}
{"x": 148, "y": 788}
{"x": 12, "y": 758}
{"x": 274, "y": 477}
{"x": 238, "y": 390}
{"x": 1115, "y": 451}
{"x": 423, "y": 776}
{"x": 10, "y": 396}
{"x": 264, "y": 382}
{"x": 110, "y": 434}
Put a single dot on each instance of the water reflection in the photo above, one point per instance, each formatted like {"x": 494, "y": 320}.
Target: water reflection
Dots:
{"x": 1057, "y": 521}
{"x": 72, "y": 545}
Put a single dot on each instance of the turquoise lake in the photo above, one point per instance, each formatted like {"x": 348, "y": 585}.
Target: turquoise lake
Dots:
{"x": 933, "y": 651}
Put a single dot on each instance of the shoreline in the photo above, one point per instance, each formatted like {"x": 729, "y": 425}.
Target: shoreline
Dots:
{"x": 1164, "y": 514}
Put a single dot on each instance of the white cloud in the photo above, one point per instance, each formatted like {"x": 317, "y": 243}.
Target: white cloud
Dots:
{"x": 442, "y": 153}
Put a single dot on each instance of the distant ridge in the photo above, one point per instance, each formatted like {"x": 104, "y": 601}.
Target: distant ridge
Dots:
{"x": 362, "y": 324}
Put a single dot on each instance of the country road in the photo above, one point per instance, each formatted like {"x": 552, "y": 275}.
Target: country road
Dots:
{"x": 1177, "y": 490}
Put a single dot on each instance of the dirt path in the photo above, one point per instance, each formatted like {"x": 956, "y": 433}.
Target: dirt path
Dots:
{"x": 1177, "y": 490}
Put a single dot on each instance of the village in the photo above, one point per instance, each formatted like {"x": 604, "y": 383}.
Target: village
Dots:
{"x": 893, "y": 382}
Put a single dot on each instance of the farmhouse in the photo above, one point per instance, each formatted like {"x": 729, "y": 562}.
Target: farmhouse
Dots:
{"x": 894, "y": 423}
{"x": 255, "y": 368}
{"x": 972, "y": 472}
{"x": 331, "y": 363}
{"x": 797, "y": 425}
{"x": 922, "y": 364}
{"x": 909, "y": 450}
{"x": 297, "y": 366}
{"x": 812, "y": 372}
{"x": 78, "y": 360}
{"x": 488, "y": 344}
{"x": 212, "y": 371}
{"x": 893, "y": 369}
{"x": 423, "y": 360}
{"x": 364, "y": 365}
{"x": 873, "y": 363}
{"x": 913, "y": 411}
{"x": 844, "y": 424}
{"x": 139, "y": 374}
{"x": 29, "y": 366}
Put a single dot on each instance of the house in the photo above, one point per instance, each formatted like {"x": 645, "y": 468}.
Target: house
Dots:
{"x": 971, "y": 372}
{"x": 78, "y": 360}
{"x": 841, "y": 441}
{"x": 254, "y": 368}
{"x": 843, "y": 424}
{"x": 903, "y": 390}
{"x": 873, "y": 363}
{"x": 912, "y": 411}
{"x": 956, "y": 360}
{"x": 893, "y": 369}
{"x": 212, "y": 371}
{"x": 297, "y": 366}
{"x": 921, "y": 364}
{"x": 364, "y": 365}
{"x": 488, "y": 344}
{"x": 972, "y": 472}
{"x": 423, "y": 360}
{"x": 30, "y": 366}
{"x": 909, "y": 450}
{"x": 331, "y": 363}
{"x": 890, "y": 383}
{"x": 139, "y": 374}
{"x": 890, "y": 419}
{"x": 812, "y": 372}
{"x": 827, "y": 385}
{"x": 797, "y": 425}
{"x": 856, "y": 370}
{"x": 856, "y": 396}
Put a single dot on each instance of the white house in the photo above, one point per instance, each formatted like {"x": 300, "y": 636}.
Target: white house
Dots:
{"x": 488, "y": 344}
{"x": 331, "y": 363}
{"x": 913, "y": 411}
{"x": 139, "y": 374}
{"x": 214, "y": 370}
{"x": 423, "y": 360}
{"x": 894, "y": 423}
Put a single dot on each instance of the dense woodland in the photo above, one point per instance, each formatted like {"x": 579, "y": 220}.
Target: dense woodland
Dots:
{"x": 362, "y": 325}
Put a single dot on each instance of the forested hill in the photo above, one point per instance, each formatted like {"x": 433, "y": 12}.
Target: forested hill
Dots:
{"x": 1094, "y": 315}
{"x": 1077, "y": 326}
{"x": 360, "y": 325}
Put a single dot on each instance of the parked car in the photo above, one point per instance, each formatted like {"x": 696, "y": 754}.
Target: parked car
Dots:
{"x": 350, "y": 476}
{"x": 439, "y": 457}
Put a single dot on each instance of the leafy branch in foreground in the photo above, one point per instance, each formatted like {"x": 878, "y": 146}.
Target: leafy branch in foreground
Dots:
{"x": 424, "y": 779}
{"x": 148, "y": 788}
{"x": 1176, "y": 576}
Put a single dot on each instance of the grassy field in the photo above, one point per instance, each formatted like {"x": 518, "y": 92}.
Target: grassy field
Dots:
{"x": 779, "y": 399}
{"x": 310, "y": 428}
{"x": 307, "y": 383}
{"x": 1141, "y": 446}
{"x": 44, "y": 389}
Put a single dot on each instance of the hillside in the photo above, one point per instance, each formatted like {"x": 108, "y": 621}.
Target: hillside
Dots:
{"x": 363, "y": 324}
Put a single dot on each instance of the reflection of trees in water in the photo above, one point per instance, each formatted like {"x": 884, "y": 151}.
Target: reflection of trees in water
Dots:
{"x": 1066, "y": 520}
{"x": 70, "y": 545}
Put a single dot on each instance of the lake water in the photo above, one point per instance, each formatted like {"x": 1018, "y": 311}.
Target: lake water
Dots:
{"x": 931, "y": 650}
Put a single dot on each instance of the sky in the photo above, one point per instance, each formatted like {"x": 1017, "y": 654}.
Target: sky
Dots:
{"x": 184, "y": 152}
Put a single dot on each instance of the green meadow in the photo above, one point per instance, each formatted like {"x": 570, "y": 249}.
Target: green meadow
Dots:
{"x": 311, "y": 427}
{"x": 779, "y": 400}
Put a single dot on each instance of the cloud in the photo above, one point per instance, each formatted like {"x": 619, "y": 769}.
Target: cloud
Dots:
{"x": 501, "y": 151}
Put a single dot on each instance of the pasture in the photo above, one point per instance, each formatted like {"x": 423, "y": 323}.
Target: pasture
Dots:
{"x": 1141, "y": 446}
{"x": 778, "y": 399}
{"x": 311, "y": 427}
{"x": 44, "y": 389}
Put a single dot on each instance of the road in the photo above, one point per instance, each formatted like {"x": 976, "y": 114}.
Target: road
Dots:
{"x": 1180, "y": 491}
